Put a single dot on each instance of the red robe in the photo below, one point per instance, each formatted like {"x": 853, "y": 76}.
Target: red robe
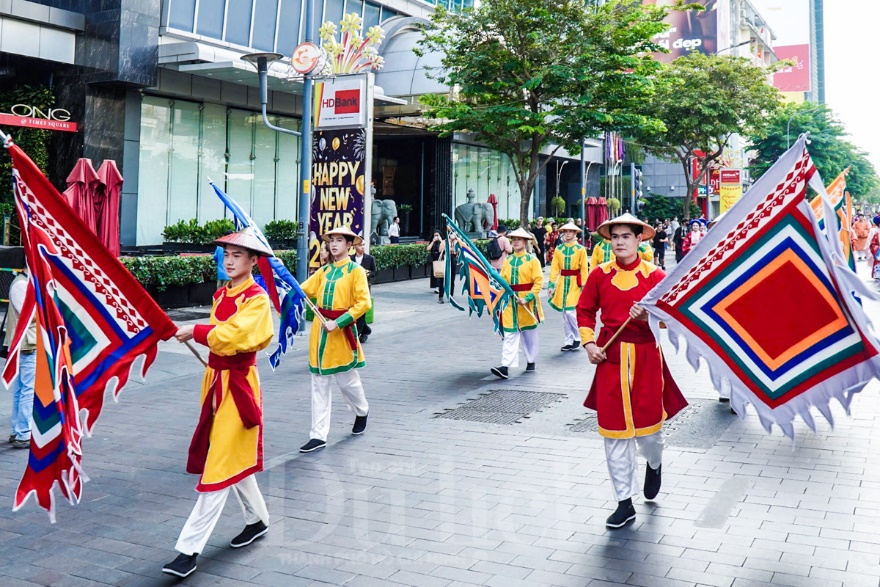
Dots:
{"x": 633, "y": 390}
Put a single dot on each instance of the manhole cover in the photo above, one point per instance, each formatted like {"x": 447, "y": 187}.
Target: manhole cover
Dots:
{"x": 698, "y": 426}
{"x": 502, "y": 406}
{"x": 183, "y": 315}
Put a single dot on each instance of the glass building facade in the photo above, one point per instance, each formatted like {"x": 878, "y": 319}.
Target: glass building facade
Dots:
{"x": 486, "y": 172}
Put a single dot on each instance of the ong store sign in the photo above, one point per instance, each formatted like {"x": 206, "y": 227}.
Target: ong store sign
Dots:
{"x": 25, "y": 115}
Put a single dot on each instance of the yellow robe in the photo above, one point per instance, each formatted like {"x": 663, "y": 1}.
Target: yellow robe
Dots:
{"x": 337, "y": 286}
{"x": 523, "y": 268}
{"x": 570, "y": 256}
{"x": 241, "y": 322}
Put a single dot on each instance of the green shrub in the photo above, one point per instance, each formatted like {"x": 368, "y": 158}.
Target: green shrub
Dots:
{"x": 280, "y": 230}
{"x": 214, "y": 229}
{"x": 189, "y": 231}
{"x": 557, "y": 205}
{"x": 510, "y": 223}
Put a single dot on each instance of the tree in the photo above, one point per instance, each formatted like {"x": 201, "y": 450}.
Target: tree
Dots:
{"x": 829, "y": 149}
{"x": 530, "y": 77}
{"x": 703, "y": 100}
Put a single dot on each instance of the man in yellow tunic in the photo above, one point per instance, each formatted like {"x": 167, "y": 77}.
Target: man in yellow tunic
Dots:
{"x": 602, "y": 253}
{"x": 343, "y": 296}
{"x": 227, "y": 447}
{"x": 568, "y": 274}
{"x": 520, "y": 319}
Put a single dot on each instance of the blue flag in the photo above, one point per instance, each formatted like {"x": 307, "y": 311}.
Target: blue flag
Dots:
{"x": 283, "y": 289}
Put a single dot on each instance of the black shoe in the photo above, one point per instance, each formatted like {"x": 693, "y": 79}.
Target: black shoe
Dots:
{"x": 360, "y": 424}
{"x": 530, "y": 368}
{"x": 313, "y": 444}
{"x": 182, "y": 566}
{"x": 11, "y": 437}
{"x": 440, "y": 301}
{"x": 20, "y": 443}
{"x": 652, "y": 482}
{"x": 500, "y": 372}
{"x": 364, "y": 337}
{"x": 624, "y": 514}
{"x": 724, "y": 400}
{"x": 575, "y": 346}
{"x": 566, "y": 347}
{"x": 250, "y": 533}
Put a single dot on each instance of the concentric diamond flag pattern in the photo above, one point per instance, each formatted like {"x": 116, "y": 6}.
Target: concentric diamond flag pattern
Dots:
{"x": 94, "y": 321}
{"x": 767, "y": 300}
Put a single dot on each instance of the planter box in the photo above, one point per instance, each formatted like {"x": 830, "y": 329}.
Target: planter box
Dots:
{"x": 385, "y": 276}
{"x": 202, "y": 294}
{"x": 175, "y": 296}
{"x": 187, "y": 248}
{"x": 402, "y": 273}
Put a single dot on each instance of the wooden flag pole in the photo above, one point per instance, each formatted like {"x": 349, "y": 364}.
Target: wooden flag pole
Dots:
{"x": 315, "y": 310}
{"x": 196, "y": 353}
{"x": 616, "y": 334}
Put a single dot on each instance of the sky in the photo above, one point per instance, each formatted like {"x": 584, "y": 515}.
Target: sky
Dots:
{"x": 850, "y": 29}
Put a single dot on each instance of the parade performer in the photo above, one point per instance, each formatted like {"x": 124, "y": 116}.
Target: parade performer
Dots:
{"x": 227, "y": 446}
{"x": 692, "y": 237}
{"x": 875, "y": 249}
{"x": 632, "y": 392}
{"x": 861, "y": 230}
{"x": 523, "y": 272}
{"x": 603, "y": 252}
{"x": 568, "y": 274}
{"x": 343, "y": 296}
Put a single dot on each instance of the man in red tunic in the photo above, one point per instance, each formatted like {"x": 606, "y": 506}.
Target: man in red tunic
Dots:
{"x": 633, "y": 392}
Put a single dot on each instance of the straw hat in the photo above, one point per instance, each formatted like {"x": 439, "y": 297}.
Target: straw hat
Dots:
{"x": 342, "y": 231}
{"x": 248, "y": 239}
{"x": 521, "y": 233}
{"x": 605, "y": 228}
{"x": 570, "y": 226}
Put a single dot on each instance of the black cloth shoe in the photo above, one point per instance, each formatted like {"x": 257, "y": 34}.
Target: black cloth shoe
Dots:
{"x": 565, "y": 347}
{"x": 500, "y": 372}
{"x": 364, "y": 338}
{"x": 313, "y": 444}
{"x": 652, "y": 482}
{"x": 20, "y": 443}
{"x": 624, "y": 514}
{"x": 575, "y": 346}
{"x": 360, "y": 424}
{"x": 182, "y": 566}
{"x": 530, "y": 368}
{"x": 250, "y": 533}
{"x": 724, "y": 400}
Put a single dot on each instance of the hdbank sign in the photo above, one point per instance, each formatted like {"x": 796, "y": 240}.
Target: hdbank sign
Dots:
{"x": 341, "y": 102}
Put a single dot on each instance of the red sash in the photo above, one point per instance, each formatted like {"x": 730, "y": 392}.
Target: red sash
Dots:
{"x": 238, "y": 367}
{"x": 522, "y": 287}
{"x": 348, "y": 330}
{"x": 572, "y": 273}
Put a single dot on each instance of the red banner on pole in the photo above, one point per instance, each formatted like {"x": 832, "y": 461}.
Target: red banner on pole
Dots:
{"x": 43, "y": 123}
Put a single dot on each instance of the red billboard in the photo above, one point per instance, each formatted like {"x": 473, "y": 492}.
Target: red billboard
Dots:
{"x": 689, "y": 30}
{"x": 795, "y": 78}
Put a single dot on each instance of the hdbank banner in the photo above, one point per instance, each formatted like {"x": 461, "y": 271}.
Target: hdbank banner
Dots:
{"x": 731, "y": 188}
{"x": 341, "y": 102}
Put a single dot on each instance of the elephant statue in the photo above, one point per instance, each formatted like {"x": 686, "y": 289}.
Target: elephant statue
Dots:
{"x": 382, "y": 213}
{"x": 474, "y": 216}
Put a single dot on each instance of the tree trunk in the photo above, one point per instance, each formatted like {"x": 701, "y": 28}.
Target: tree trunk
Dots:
{"x": 525, "y": 191}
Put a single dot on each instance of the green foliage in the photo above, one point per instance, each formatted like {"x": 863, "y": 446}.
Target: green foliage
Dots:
{"x": 613, "y": 205}
{"x": 33, "y": 141}
{"x": 658, "y": 207}
{"x": 702, "y": 101}
{"x": 829, "y": 149}
{"x": 404, "y": 209}
{"x": 279, "y": 230}
{"x": 510, "y": 223}
{"x": 390, "y": 256}
{"x": 190, "y": 231}
{"x": 557, "y": 205}
{"x": 530, "y": 74}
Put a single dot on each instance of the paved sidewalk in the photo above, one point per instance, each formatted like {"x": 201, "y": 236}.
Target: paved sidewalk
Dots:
{"x": 427, "y": 501}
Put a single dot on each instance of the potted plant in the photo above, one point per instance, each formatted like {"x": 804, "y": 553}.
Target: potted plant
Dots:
{"x": 557, "y": 206}
{"x": 404, "y": 210}
{"x": 613, "y": 206}
{"x": 280, "y": 233}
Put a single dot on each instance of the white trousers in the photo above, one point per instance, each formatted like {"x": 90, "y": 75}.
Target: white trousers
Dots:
{"x": 197, "y": 530}
{"x": 349, "y": 383}
{"x": 510, "y": 347}
{"x": 620, "y": 454}
{"x": 570, "y": 326}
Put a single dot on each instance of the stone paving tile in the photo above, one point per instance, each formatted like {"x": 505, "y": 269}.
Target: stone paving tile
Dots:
{"x": 421, "y": 501}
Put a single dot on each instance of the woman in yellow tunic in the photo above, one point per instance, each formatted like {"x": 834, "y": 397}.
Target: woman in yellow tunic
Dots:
{"x": 521, "y": 318}
{"x": 227, "y": 447}
{"x": 342, "y": 296}
{"x": 568, "y": 274}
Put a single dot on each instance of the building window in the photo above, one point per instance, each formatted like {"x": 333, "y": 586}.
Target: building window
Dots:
{"x": 182, "y": 14}
{"x": 238, "y": 27}
{"x": 486, "y": 172}
{"x": 211, "y": 13}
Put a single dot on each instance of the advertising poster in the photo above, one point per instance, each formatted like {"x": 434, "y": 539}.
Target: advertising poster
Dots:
{"x": 795, "y": 78}
{"x": 338, "y": 185}
{"x": 731, "y": 188}
{"x": 689, "y": 31}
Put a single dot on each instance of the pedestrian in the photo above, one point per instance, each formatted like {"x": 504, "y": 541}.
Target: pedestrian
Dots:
{"x": 568, "y": 274}
{"x": 678, "y": 243}
{"x": 22, "y": 387}
{"x": 227, "y": 446}
{"x": 674, "y": 225}
{"x": 540, "y": 232}
{"x": 659, "y": 243}
{"x": 342, "y": 296}
{"x": 219, "y": 254}
{"x": 368, "y": 262}
{"x": 504, "y": 247}
{"x": 521, "y": 317}
{"x": 580, "y": 224}
{"x": 692, "y": 238}
{"x": 454, "y": 248}
{"x": 632, "y": 392}
{"x": 323, "y": 254}
{"x": 394, "y": 231}
{"x": 550, "y": 240}
{"x": 436, "y": 248}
